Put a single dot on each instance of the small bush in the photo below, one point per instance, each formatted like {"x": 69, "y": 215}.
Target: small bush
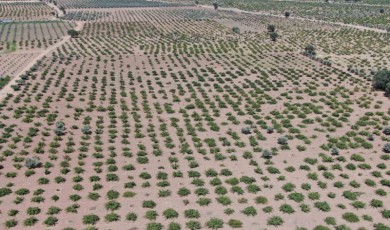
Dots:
{"x": 275, "y": 221}
{"x": 131, "y": 216}
{"x": 350, "y": 217}
{"x": 233, "y": 223}
{"x": 214, "y": 223}
{"x": 90, "y": 219}
{"x": 5, "y": 191}
{"x": 170, "y": 213}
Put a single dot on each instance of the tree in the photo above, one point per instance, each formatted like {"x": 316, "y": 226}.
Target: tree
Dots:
{"x": 382, "y": 10}
{"x": 267, "y": 153}
{"x": 334, "y": 150}
{"x": 274, "y": 36}
{"x": 73, "y": 33}
{"x": 215, "y": 4}
{"x": 282, "y": 140}
{"x": 246, "y": 130}
{"x": 386, "y": 130}
{"x": 196, "y": 2}
{"x": 15, "y": 87}
{"x": 32, "y": 163}
{"x": 287, "y": 14}
{"x": 271, "y": 28}
{"x": 386, "y": 148}
{"x": 381, "y": 81}
{"x": 236, "y": 30}
{"x": 60, "y": 128}
{"x": 86, "y": 130}
{"x": 63, "y": 9}
{"x": 310, "y": 51}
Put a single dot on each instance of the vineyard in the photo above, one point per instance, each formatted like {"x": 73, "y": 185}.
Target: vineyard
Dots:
{"x": 375, "y": 16}
{"x": 11, "y": 63}
{"x": 25, "y": 11}
{"x": 77, "y": 4}
{"x": 32, "y": 35}
{"x": 169, "y": 116}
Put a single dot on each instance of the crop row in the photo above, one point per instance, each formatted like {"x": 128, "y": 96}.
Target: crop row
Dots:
{"x": 76, "y": 4}
{"x": 25, "y": 11}
{"x": 21, "y": 31}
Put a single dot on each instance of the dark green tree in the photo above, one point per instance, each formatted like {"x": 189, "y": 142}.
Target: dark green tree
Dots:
{"x": 274, "y": 36}
{"x": 271, "y": 28}
{"x": 310, "y": 51}
{"x": 381, "y": 81}
{"x": 73, "y": 33}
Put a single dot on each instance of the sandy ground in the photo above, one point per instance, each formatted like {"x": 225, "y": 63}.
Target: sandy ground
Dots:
{"x": 144, "y": 103}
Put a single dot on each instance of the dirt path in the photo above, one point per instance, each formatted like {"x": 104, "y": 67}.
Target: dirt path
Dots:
{"x": 59, "y": 12}
{"x": 359, "y": 27}
{"x": 8, "y": 90}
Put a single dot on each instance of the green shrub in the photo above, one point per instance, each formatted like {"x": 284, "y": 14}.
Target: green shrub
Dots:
{"x": 148, "y": 204}
{"x": 214, "y": 223}
{"x": 151, "y": 215}
{"x": 111, "y": 217}
{"x": 111, "y": 195}
{"x": 321, "y": 227}
{"x": 285, "y": 208}
{"x": 170, "y": 213}
{"x": 297, "y": 197}
{"x": 154, "y": 226}
{"x": 386, "y": 213}
{"x": 323, "y": 206}
{"x": 90, "y": 219}
{"x": 31, "y": 221}
{"x": 183, "y": 192}
{"x": 350, "y": 217}
{"x": 174, "y": 226}
{"x": 5, "y": 191}
{"x": 250, "y": 211}
{"x": 131, "y": 216}
{"x": 224, "y": 200}
{"x": 191, "y": 213}
{"x": 51, "y": 221}
{"x": 33, "y": 211}
{"x": 193, "y": 225}
{"x": 275, "y": 221}
{"x": 233, "y": 223}
{"x": 261, "y": 200}
{"x": 11, "y": 223}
